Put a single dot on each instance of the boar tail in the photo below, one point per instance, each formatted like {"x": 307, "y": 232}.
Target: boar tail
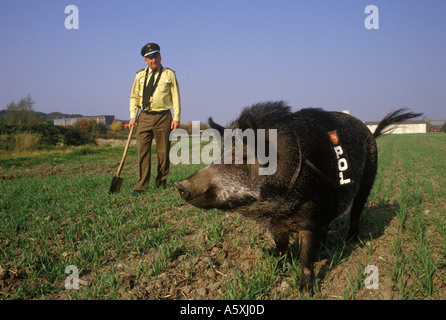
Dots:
{"x": 214, "y": 125}
{"x": 394, "y": 117}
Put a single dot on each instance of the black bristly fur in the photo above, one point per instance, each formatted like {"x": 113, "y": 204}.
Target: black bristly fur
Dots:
{"x": 308, "y": 205}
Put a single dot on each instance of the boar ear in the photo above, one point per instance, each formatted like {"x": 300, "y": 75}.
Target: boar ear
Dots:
{"x": 216, "y": 126}
{"x": 247, "y": 122}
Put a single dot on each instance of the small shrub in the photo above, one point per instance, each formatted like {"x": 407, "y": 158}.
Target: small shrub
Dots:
{"x": 7, "y": 142}
{"x": 116, "y": 125}
{"x": 99, "y": 127}
{"x": 49, "y": 135}
{"x": 89, "y": 129}
{"x": 26, "y": 142}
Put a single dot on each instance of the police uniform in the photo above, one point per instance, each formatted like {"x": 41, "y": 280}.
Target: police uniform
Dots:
{"x": 155, "y": 118}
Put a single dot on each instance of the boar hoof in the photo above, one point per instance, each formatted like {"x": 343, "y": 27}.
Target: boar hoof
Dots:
{"x": 353, "y": 236}
{"x": 306, "y": 287}
{"x": 307, "y": 281}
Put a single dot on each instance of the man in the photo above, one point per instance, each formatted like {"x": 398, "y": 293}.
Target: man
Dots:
{"x": 155, "y": 91}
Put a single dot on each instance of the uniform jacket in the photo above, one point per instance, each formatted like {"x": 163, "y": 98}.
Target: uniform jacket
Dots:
{"x": 166, "y": 95}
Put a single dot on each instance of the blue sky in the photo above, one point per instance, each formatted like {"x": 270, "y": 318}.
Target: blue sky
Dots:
{"x": 227, "y": 55}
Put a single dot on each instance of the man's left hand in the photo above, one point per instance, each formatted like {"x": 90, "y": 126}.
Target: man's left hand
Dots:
{"x": 174, "y": 125}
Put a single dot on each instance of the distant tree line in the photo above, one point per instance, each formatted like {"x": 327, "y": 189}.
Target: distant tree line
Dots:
{"x": 23, "y": 113}
{"x": 20, "y": 124}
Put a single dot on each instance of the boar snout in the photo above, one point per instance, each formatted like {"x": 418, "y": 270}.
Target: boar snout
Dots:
{"x": 198, "y": 189}
{"x": 200, "y": 195}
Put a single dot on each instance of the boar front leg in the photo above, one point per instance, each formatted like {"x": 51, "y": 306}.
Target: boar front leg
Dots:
{"x": 282, "y": 241}
{"x": 308, "y": 244}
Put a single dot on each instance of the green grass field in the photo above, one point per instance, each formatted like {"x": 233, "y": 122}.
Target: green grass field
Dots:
{"x": 55, "y": 212}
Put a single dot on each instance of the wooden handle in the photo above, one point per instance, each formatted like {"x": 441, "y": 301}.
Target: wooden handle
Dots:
{"x": 125, "y": 152}
{"x": 127, "y": 145}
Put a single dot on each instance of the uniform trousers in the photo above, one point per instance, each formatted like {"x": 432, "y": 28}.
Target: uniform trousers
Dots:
{"x": 153, "y": 125}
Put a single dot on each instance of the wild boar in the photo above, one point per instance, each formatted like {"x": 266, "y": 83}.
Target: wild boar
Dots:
{"x": 326, "y": 165}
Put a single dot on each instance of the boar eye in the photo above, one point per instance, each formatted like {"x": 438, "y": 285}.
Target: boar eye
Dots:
{"x": 234, "y": 163}
{"x": 238, "y": 164}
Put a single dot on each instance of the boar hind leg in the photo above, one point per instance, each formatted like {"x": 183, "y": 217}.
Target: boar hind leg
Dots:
{"x": 355, "y": 214}
{"x": 308, "y": 244}
{"x": 360, "y": 201}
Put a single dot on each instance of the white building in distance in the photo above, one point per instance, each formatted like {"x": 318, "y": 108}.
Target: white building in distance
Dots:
{"x": 411, "y": 126}
{"x": 107, "y": 120}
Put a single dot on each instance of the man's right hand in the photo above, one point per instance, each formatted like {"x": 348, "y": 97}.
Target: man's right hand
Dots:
{"x": 132, "y": 123}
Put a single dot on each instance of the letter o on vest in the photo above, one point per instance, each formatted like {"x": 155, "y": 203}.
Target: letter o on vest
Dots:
{"x": 342, "y": 164}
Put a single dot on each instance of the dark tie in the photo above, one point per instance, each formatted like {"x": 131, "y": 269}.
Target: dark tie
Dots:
{"x": 148, "y": 91}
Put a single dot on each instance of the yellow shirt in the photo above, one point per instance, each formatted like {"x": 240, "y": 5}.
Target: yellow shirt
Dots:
{"x": 165, "y": 96}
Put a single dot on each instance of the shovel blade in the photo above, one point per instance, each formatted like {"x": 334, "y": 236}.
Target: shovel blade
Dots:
{"x": 115, "y": 185}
